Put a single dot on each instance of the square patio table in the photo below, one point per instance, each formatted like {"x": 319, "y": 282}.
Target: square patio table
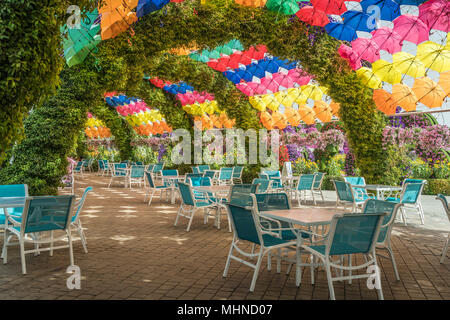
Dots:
{"x": 383, "y": 191}
{"x": 171, "y": 181}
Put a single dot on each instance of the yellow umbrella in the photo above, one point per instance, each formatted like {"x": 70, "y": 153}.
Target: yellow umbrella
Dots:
{"x": 257, "y": 103}
{"x": 434, "y": 56}
{"x": 285, "y": 97}
{"x": 408, "y": 64}
{"x": 306, "y": 114}
{"x": 384, "y": 101}
{"x": 323, "y": 111}
{"x": 429, "y": 92}
{"x": 387, "y": 71}
{"x": 444, "y": 82}
{"x": 270, "y": 102}
{"x": 368, "y": 78}
{"x": 312, "y": 92}
{"x": 403, "y": 96}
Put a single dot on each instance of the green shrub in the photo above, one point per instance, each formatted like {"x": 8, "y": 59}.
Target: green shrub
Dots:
{"x": 435, "y": 186}
{"x": 328, "y": 184}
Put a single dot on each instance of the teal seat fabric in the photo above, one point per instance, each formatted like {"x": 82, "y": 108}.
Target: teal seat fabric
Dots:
{"x": 380, "y": 206}
{"x": 318, "y": 179}
{"x": 410, "y": 193}
{"x": 270, "y": 241}
{"x": 203, "y": 167}
{"x": 12, "y": 190}
{"x": 263, "y": 184}
{"x": 306, "y": 182}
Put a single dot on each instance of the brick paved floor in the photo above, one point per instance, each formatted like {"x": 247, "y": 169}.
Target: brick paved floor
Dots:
{"x": 135, "y": 252}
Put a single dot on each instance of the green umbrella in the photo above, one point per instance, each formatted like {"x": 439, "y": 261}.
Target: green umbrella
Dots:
{"x": 287, "y": 7}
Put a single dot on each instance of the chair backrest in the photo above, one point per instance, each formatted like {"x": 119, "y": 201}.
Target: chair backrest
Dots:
{"x": 150, "y": 181}
{"x": 225, "y": 173}
{"x": 80, "y": 203}
{"x": 237, "y": 171}
{"x": 344, "y": 191}
{"x": 306, "y": 182}
{"x": 408, "y": 180}
{"x": 444, "y": 201}
{"x": 355, "y": 181}
{"x": 198, "y": 181}
{"x": 318, "y": 180}
{"x": 137, "y": 171}
{"x": 390, "y": 210}
{"x": 171, "y": 172}
{"x": 47, "y": 213}
{"x": 101, "y": 164}
{"x": 150, "y": 167}
{"x": 203, "y": 167}
{"x": 272, "y": 173}
{"x": 86, "y": 163}
{"x": 118, "y": 167}
{"x": 13, "y": 190}
{"x": 79, "y": 165}
{"x": 158, "y": 167}
{"x": 272, "y": 201}
{"x": 264, "y": 184}
{"x": 195, "y": 170}
{"x": 186, "y": 194}
{"x": 139, "y": 163}
{"x": 353, "y": 233}
{"x": 240, "y": 193}
{"x": 411, "y": 192}
{"x": 245, "y": 224}
{"x": 192, "y": 175}
{"x": 209, "y": 173}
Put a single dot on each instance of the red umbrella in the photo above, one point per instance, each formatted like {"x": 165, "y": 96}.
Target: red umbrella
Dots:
{"x": 366, "y": 49}
{"x": 387, "y": 39}
{"x": 411, "y": 28}
{"x": 313, "y": 16}
{"x": 330, "y": 6}
{"x": 256, "y": 53}
{"x": 218, "y": 64}
{"x": 436, "y": 14}
{"x": 239, "y": 58}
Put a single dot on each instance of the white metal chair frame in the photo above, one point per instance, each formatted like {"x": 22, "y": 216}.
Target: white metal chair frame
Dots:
{"x": 298, "y": 193}
{"x": 76, "y": 223}
{"x": 318, "y": 190}
{"x": 136, "y": 180}
{"x": 355, "y": 205}
{"x": 152, "y": 190}
{"x": 417, "y": 205}
{"x": 447, "y": 242}
{"x": 114, "y": 175}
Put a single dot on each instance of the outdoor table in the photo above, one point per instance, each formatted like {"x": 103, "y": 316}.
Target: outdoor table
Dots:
{"x": 171, "y": 182}
{"x": 10, "y": 202}
{"x": 307, "y": 217}
{"x": 383, "y": 191}
{"x": 217, "y": 191}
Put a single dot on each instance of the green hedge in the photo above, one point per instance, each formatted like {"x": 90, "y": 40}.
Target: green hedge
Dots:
{"x": 327, "y": 184}
{"x": 435, "y": 186}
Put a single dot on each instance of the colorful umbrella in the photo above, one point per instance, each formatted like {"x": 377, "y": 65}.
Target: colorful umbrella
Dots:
{"x": 116, "y": 16}
{"x": 341, "y": 31}
{"x": 251, "y": 3}
{"x": 336, "y": 7}
{"x": 266, "y": 120}
{"x": 429, "y": 92}
{"x": 444, "y": 82}
{"x": 292, "y": 116}
{"x": 368, "y": 78}
{"x": 357, "y": 20}
{"x": 279, "y": 120}
{"x": 366, "y": 49}
{"x": 384, "y": 102}
{"x": 408, "y": 64}
{"x": 387, "y": 39}
{"x": 434, "y": 56}
{"x": 389, "y": 9}
{"x": 311, "y": 92}
{"x": 313, "y": 16}
{"x": 403, "y": 96}
{"x": 436, "y": 15}
{"x": 411, "y": 28}
{"x": 147, "y": 6}
{"x": 335, "y": 108}
{"x": 306, "y": 114}
{"x": 351, "y": 56}
{"x": 287, "y": 7}
{"x": 387, "y": 71}
{"x": 323, "y": 111}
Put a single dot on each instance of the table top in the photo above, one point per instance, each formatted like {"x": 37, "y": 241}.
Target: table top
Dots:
{"x": 380, "y": 186}
{"x": 12, "y": 202}
{"x": 172, "y": 177}
{"x": 303, "y": 216}
{"x": 213, "y": 188}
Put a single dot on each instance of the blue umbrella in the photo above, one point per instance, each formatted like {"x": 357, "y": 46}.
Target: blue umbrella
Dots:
{"x": 147, "y": 6}
{"x": 357, "y": 20}
{"x": 232, "y": 76}
{"x": 410, "y": 2}
{"x": 389, "y": 9}
{"x": 341, "y": 31}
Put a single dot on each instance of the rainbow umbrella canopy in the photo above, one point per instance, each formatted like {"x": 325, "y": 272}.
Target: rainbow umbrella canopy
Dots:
{"x": 78, "y": 43}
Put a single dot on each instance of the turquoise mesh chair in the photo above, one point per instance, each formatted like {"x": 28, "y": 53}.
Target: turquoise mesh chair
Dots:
{"x": 75, "y": 222}
{"x": 11, "y": 191}
{"x": 225, "y": 176}
{"x": 265, "y": 185}
{"x": 101, "y": 167}
{"x": 247, "y": 228}
{"x": 136, "y": 175}
{"x": 86, "y": 164}
{"x": 390, "y": 210}
{"x": 237, "y": 174}
{"x": 305, "y": 183}
{"x": 149, "y": 167}
{"x": 345, "y": 196}
{"x": 41, "y": 214}
{"x": 210, "y": 174}
{"x": 78, "y": 169}
{"x": 157, "y": 168}
{"x": 203, "y": 167}
{"x": 350, "y": 234}
{"x": 195, "y": 170}
{"x": 410, "y": 196}
{"x": 444, "y": 201}
{"x": 358, "y": 185}
{"x": 275, "y": 176}
{"x": 119, "y": 172}
{"x": 189, "y": 204}
{"x": 317, "y": 187}
{"x": 153, "y": 188}
{"x": 193, "y": 175}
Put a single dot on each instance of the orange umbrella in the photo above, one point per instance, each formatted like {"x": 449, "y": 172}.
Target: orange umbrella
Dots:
{"x": 292, "y": 116}
{"x": 266, "y": 120}
{"x": 307, "y": 114}
{"x": 206, "y": 122}
{"x": 383, "y": 101}
{"x": 116, "y": 16}
{"x": 88, "y": 132}
{"x": 323, "y": 111}
{"x": 216, "y": 121}
{"x": 403, "y": 96}
{"x": 279, "y": 120}
{"x": 335, "y": 108}
{"x": 444, "y": 81}
{"x": 197, "y": 122}
{"x": 108, "y": 133}
{"x": 429, "y": 92}
{"x": 251, "y": 3}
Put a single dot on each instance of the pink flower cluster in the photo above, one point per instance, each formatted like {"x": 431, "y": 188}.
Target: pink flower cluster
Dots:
{"x": 331, "y": 137}
{"x": 132, "y": 108}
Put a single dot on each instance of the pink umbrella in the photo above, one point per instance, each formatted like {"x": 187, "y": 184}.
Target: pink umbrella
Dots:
{"x": 387, "y": 39}
{"x": 182, "y": 98}
{"x": 245, "y": 88}
{"x": 411, "y": 28}
{"x": 366, "y": 49}
{"x": 436, "y": 15}
{"x": 330, "y": 6}
{"x": 270, "y": 84}
{"x": 285, "y": 81}
{"x": 347, "y": 53}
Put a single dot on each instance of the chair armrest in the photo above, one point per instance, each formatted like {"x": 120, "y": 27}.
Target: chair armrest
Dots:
{"x": 14, "y": 222}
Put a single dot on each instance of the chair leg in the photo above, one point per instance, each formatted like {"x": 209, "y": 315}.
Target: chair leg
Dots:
{"x": 420, "y": 209}
{"x": 227, "y": 264}
{"x": 378, "y": 281}
{"x": 22, "y": 256}
{"x": 394, "y": 265}
{"x": 269, "y": 261}
{"x": 403, "y": 214}
{"x": 330, "y": 281}
{"x": 350, "y": 271}
{"x": 151, "y": 196}
{"x": 444, "y": 251}
{"x": 51, "y": 243}
{"x": 5, "y": 247}
{"x": 190, "y": 219}
{"x": 312, "y": 269}
{"x": 178, "y": 214}
{"x": 298, "y": 267}
{"x": 279, "y": 261}
{"x": 256, "y": 272}
{"x": 69, "y": 238}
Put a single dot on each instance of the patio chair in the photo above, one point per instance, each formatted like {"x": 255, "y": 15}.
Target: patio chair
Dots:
{"x": 149, "y": 167}
{"x": 346, "y": 196}
{"x": 265, "y": 185}
{"x": 158, "y": 167}
{"x": 247, "y": 228}
{"x": 237, "y": 174}
{"x": 76, "y": 222}
{"x": 119, "y": 172}
{"x": 206, "y": 196}
{"x": 350, "y": 234}
{"x": 153, "y": 188}
{"x": 410, "y": 196}
{"x": 317, "y": 187}
{"x": 195, "y": 170}
{"x": 305, "y": 183}
{"x": 210, "y": 174}
{"x": 41, "y": 214}
{"x": 193, "y": 175}
{"x": 358, "y": 185}
{"x": 275, "y": 176}
{"x": 203, "y": 167}
{"x": 225, "y": 176}
{"x": 384, "y": 237}
{"x": 87, "y": 164}
{"x": 78, "y": 169}
{"x": 101, "y": 167}
{"x": 136, "y": 175}
{"x": 189, "y": 204}
{"x": 12, "y": 190}
{"x": 444, "y": 201}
